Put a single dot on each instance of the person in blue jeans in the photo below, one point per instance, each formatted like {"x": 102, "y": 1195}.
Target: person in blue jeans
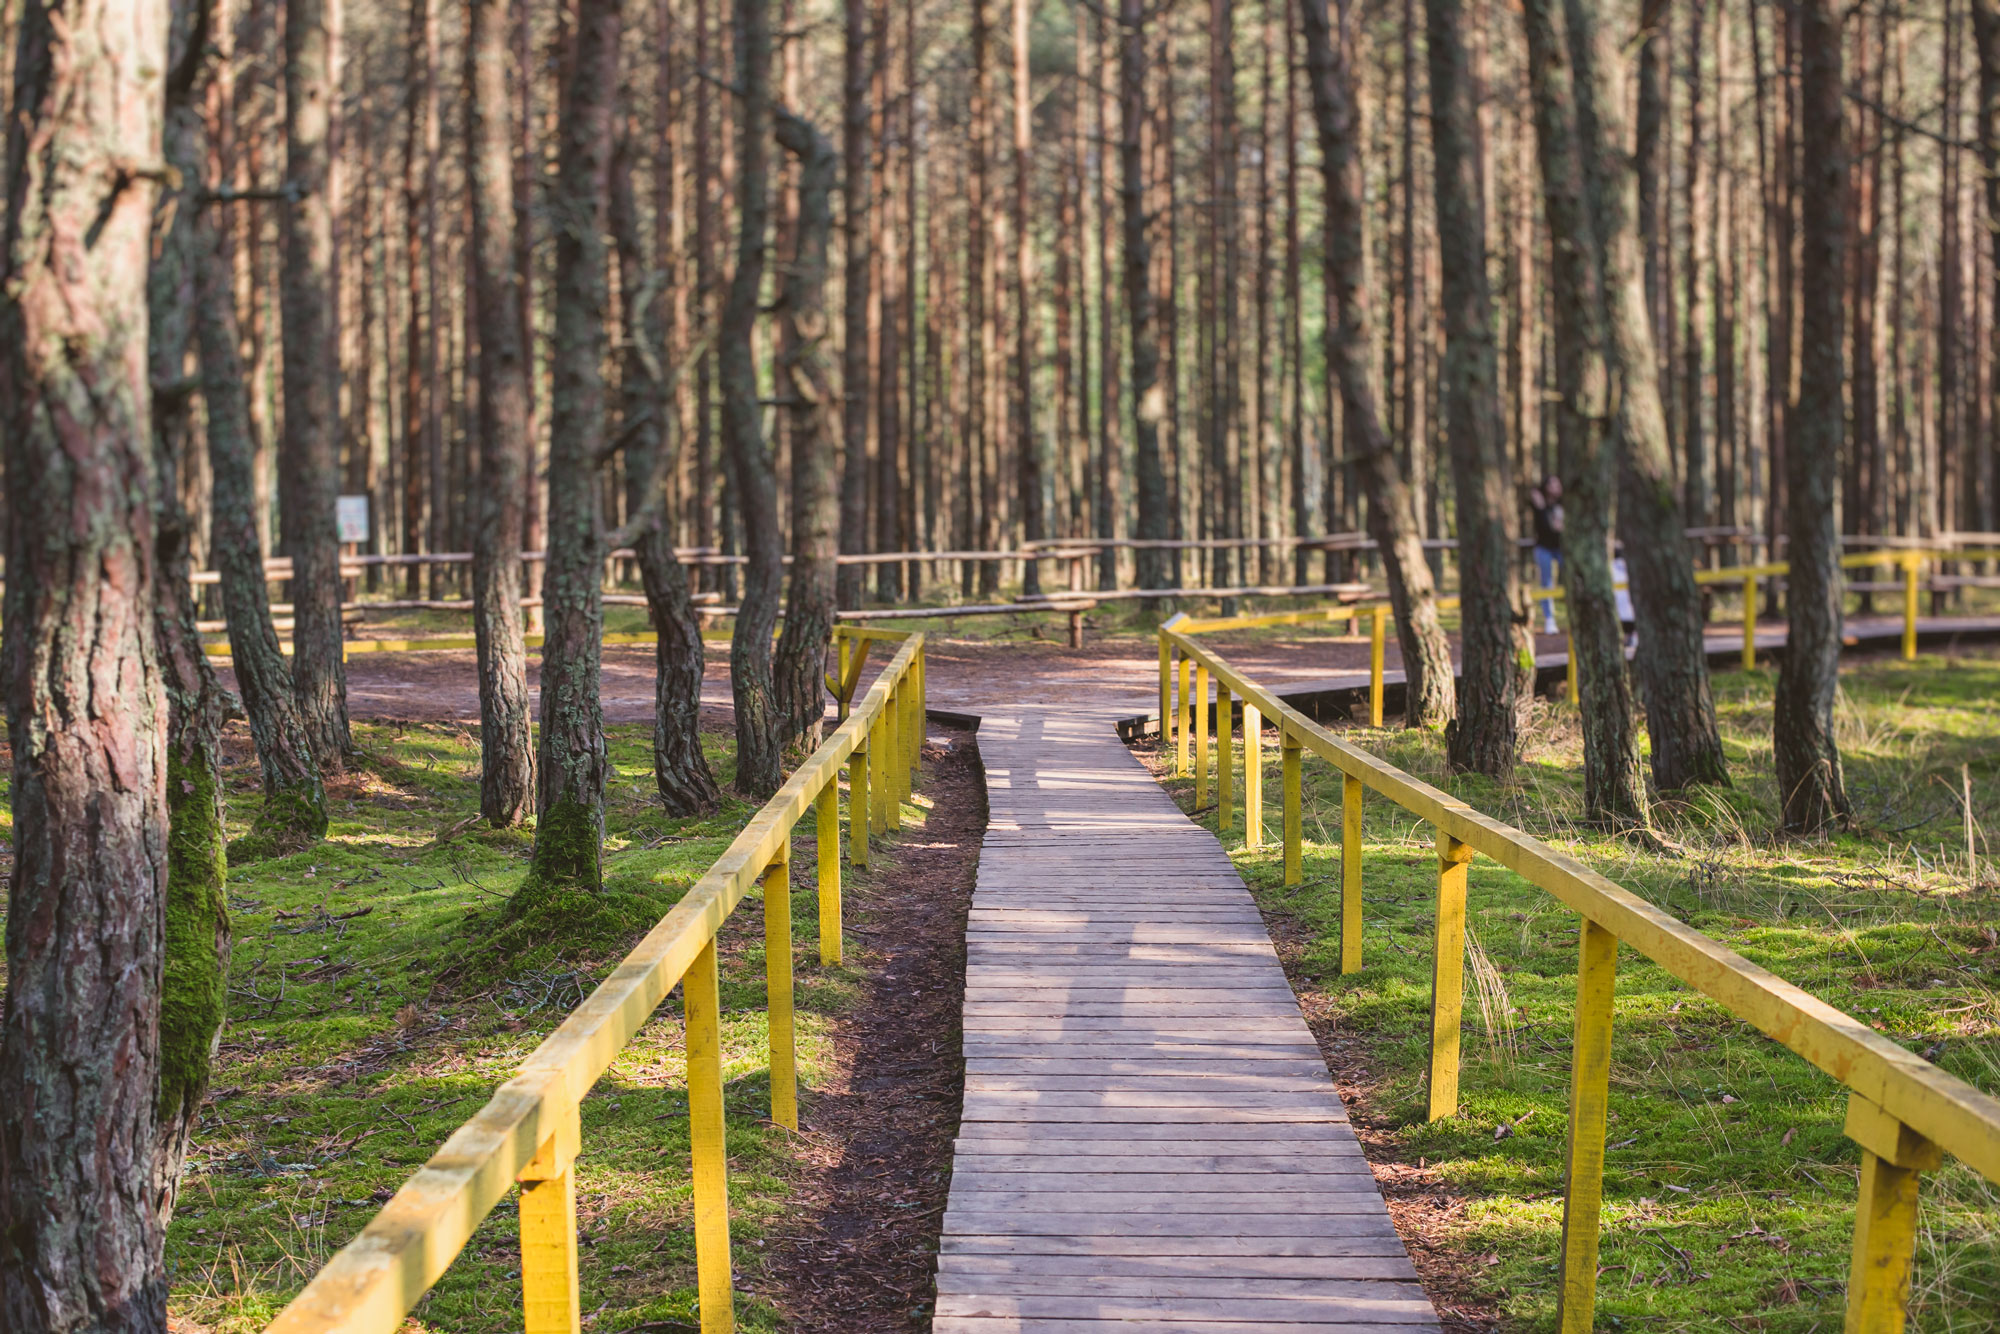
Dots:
{"x": 1546, "y": 502}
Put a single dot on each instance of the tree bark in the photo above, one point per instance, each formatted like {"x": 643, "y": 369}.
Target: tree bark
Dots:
{"x": 1481, "y": 738}
{"x": 1673, "y": 663}
{"x": 855, "y": 238}
{"x": 1808, "y": 758}
{"x": 1392, "y": 517}
{"x": 1986, "y": 37}
{"x": 1613, "y": 792}
{"x": 309, "y": 459}
{"x": 571, "y": 767}
{"x": 1027, "y": 449}
{"x": 759, "y": 725}
{"x": 1148, "y": 397}
{"x": 506, "y": 745}
{"x": 808, "y": 392}
{"x": 87, "y": 711}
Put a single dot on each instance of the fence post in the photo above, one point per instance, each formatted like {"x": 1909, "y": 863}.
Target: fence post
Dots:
{"x": 551, "y": 1302}
{"x": 1166, "y": 690}
{"x": 1448, "y": 975}
{"x": 779, "y": 1021}
{"x": 1749, "y": 622}
{"x": 844, "y": 644}
{"x": 1225, "y": 762}
{"x": 1350, "y": 873}
{"x": 1910, "y": 563}
{"x": 1253, "y": 776}
{"x": 881, "y": 758}
{"x": 1294, "y": 816}
{"x": 829, "y": 872}
{"x": 1589, "y": 1097}
{"x": 1181, "y": 720}
{"x": 1569, "y": 654}
{"x": 1885, "y": 1216}
{"x": 858, "y": 801}
{"x": 1375, "y": 636}
{"x": 1200, "y": 736}
{"x": 893, "y": 771}
{"x": 701, "y": 994}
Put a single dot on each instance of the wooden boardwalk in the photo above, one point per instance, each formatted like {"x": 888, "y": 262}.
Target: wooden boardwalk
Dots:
{"x": 1150, "y": 1141}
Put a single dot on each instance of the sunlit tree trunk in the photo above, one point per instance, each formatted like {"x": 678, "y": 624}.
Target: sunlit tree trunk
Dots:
{"x": 1027, "y": 452}
{"x": 855, "y": 238}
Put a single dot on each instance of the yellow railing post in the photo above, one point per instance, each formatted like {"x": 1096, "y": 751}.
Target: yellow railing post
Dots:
{"x": 845, "y": 646}
{"x": 1294, "y": 816}
{"x": 550, "y": 1299}
{"x": 893, "y": 770}
{"x": 1350, "y": 873}
{"x": 1200, "y": 736}
{"x": 1448, "y": 974}
{"x": 1569, "y": 665}
{"x": 1166, "y": 691}
{"x": 828, "y": 810}
{"x": 779, "y": 1020}
{"x": 1181, "y": 719}
{"x": 880, "y": 760}
{"x": 1885, "y": 1216}
{"x": 1589, "y": 1098}
{"x": 702, "y": 995}
{"x": 1253, "y": 777}
{"x": 1910, "y": 564}
{"x": 1749, "y": 622}
{"x": 1225, "y": 761}
{"x": 858, "y": 802}
{"x": 1376, "y": 632}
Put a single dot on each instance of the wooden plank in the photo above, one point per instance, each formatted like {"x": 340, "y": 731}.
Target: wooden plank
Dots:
{"x": 1380, "y": 1308}
{"x": 1393, "y": 1267}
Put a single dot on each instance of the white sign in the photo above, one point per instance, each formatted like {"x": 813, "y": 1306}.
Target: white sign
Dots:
{"x": 352, "y": 516}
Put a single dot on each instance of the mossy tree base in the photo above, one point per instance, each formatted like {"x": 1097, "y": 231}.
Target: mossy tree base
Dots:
{"x": 292, "y": 820}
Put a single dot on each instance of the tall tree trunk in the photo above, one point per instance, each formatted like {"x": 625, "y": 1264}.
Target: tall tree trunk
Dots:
{"x": 415, "y": 469}
{"x": 1653, "y": 105}
{"x": 309, "y": 460}
{"x": 1027, "y": 449}
{"x": 1392, "y": 515}
{"x": 1808, "y": 759}
{"x": 759, "y": 725}
{"x": 1226, "y": 441}
{"x": 80, "y": 1058}
{"x": 1148, "y": 398}
{"x": 979, "y": 336}
{"x": 808, "y": 392}
{"x": 1612, "y": 790}
{"x": 1986, "y": 35}
{"x": 890, "y": 478}
{"x": 1307, "y": 515}
{"x": 194, "y": 977}
{"x": 1108, "y": 475}
{"x": 855, "y": 238}
{"x": 506, "y": 746}
{"x": 571, "y": 765}
{"x": 1482, "y": 737}
{"x": 1673, "y": 663}
{"x": 1694, "y": 446}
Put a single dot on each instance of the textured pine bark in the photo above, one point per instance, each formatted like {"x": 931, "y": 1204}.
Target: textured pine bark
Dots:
{"x": 1482, "y": 737}
{"x": 309, "y": 457}
{"x": 194, "y": 993}
{"x": 80, "y": 1234}
{"x": 1807, "y": 756}
{"x": 807, "y": 390}
{"x": 1147, "y": 393}
{"x": 759, "y": 747}
{"x": 1392, "y": 513}
{"x": 1613, "y": 792}
{"x": 855, "y": 238}
{"x": 506, "y": 743}
{"x": 571, "y": 765}
{"x": 1673, "y": 662}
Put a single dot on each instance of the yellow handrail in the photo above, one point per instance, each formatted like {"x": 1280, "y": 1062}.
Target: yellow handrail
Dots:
{"x": 530, "y": 1130}
{"x": 1903, "y": 1111}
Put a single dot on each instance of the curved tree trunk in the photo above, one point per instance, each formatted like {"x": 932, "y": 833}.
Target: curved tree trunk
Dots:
{"x": 759, "y": 747}
{"x": 1482, "y": 737}
{"x": 194, "y": 986}
{"x": 1613, "y": 792}
{"x": 1673, "y": 662}
{"x": 86, "y": 708}
{"x": 1392, "y": 511}
{"x": 807, "y": 391}
{"x": 506, "y": 743}
{"x": 571, "y": 765}
{"x": 1808, "y": 759}
{"x": 309, "y": 457}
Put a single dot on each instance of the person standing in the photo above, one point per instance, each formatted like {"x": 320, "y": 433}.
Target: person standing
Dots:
{"x": 1546, "y": 502}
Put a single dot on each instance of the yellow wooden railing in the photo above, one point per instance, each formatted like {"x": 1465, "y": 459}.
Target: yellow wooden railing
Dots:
{"x": 1903, "y": 1112}
{"x": 530, "y": 1131}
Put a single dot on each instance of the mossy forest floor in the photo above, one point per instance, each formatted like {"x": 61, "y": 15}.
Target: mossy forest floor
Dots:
{"x": 1730, "y": 1187}
{"x": 380, "y": 991}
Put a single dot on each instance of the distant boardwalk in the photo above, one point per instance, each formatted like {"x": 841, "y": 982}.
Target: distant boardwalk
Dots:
{"x": 1151, "y": 1141}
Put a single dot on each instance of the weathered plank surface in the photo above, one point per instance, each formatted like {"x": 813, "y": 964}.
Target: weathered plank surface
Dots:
{"x": 1150, "y": 1140}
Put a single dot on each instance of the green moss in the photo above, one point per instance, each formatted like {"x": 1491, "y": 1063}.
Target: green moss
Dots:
{"x": 291, "y": 818}
{"x": 193, "y": 989}
{"x": 569, "y": 847}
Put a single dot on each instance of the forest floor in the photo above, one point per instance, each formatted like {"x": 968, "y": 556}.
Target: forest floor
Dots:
{"x": 1729, "y": 1186}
